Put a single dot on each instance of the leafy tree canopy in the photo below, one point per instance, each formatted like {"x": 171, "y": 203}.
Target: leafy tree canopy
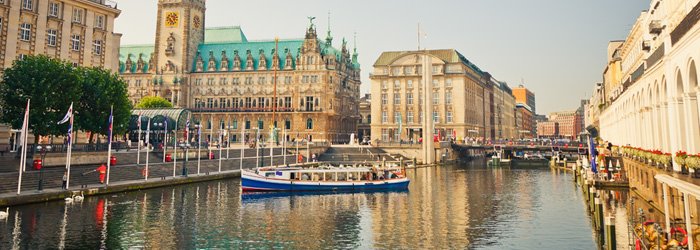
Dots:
{"x": 150, "y": 102}
{"x": 102, "y": 90}
{"x": 51, "y": 85}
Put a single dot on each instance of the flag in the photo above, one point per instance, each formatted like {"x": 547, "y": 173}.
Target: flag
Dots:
{"x": 592, "y": 153}
{"x": 148, "y": 132}
{"x": 138, "y": 122}
{"x": 199, "y": 132}
{"x": 187, "y": 131}
{"x": 111, "y": 123}
{"x": 68, "y": 115}
{"x": 25, "y": 125}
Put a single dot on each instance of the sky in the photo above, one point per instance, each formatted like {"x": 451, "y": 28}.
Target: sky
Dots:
{"x": 556, "y": 48}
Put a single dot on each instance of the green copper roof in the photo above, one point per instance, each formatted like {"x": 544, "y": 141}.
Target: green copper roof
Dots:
{"x": 232, "y": 34}
{"x": 254, "y": 47}
{"x": 267, "y": 46}
{"x": 133, "y": 52}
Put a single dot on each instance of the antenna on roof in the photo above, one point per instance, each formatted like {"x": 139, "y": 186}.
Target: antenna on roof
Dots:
{"x": 418, "y": 35}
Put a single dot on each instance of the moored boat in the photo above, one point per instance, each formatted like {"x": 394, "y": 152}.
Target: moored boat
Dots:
{"x": 326, "y": 178}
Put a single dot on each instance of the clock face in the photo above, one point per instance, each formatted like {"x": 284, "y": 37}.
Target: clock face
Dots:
{"x": 171, "y": 19}
{"x": 197, "y": 22}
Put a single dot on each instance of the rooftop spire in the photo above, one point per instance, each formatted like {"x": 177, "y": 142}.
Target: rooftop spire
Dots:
{"x": 329, "y": 37}
{"x": 354, "y": 49}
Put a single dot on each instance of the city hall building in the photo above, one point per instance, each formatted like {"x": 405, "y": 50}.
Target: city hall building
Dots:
{"x": 228, "y": 81}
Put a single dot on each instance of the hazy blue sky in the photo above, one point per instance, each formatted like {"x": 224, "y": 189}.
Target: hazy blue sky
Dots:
{"x": 557, "y": 46}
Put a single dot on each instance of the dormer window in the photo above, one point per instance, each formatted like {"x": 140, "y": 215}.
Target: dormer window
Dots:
{"x": 236, "y": 61}
{"x": 249, "y": 61}
{"x": 224, "y": 61}
{"x": 262, "y": 62}
{"x": 212, "y": 62}
{"x": 200, "y": 63}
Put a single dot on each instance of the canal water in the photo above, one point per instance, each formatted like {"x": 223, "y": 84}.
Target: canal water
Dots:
{"x": 460, "y": 206}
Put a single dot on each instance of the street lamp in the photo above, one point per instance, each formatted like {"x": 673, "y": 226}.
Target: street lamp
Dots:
{"x": 42, "y": 151}
{"x": 186, "y": 147}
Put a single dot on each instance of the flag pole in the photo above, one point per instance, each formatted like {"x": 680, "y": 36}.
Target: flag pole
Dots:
{"x": 174, "y": 148}
{"x": 242, "y": 147}
{"x": 199, "y": 146}
{"x": 148, "y": 133}
{"x": 284, "y": 147}
{"x": 23, "y": 160}
{"x": 138, "y": 152}
{"x": 70, "y": 147}
{"x": 221, "y": 137}
{"x": 165, "y": 138}
{"x": 109, "y": 143}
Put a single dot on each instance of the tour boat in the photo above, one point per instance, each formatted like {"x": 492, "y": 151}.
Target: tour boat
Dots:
{"x": 499, "y": 158}
{"x": 326, "y": 178}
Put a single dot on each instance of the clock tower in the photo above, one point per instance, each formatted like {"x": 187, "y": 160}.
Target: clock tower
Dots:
{"x": 179, "y": 31}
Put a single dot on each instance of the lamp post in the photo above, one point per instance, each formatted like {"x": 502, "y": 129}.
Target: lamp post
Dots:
{"x": 186, "y": 147}
{"x": 42, "y": 151}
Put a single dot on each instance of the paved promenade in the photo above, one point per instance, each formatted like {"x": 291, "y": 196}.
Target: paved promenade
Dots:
{"x": 126, "y": 177}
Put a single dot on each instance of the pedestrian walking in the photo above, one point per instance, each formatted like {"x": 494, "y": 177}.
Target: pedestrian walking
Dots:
{"x": 65, "y": 180}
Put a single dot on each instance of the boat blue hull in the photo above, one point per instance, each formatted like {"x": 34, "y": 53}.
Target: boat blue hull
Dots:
{"x": 261, "y": 184}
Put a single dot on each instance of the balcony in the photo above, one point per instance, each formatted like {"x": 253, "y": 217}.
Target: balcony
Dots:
{"x": 656, "y": 26}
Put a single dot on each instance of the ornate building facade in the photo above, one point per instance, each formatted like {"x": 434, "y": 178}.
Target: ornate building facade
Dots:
{"x": 305, "y": 86}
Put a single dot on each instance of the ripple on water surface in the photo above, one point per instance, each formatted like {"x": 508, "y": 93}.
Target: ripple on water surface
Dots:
{"x": 459, "y": 207}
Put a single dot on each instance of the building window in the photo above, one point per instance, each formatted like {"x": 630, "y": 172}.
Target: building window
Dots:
{"x": 436, "y": 83}
{"x": 28, "y": 4}
{"x": 397, "y": 116}
{"x": 287, "y": 124}
{"x": 436, "y": 69}
{"x": 436, "y": 98}
{"x": 435, "y": 116}
{"x": 235, "y": 81}
{"x": 409, "y": 98}
{"x": 77, "y": 15}
{"x": 247, "y": 124}
{"x": 54, "y": 9}
{"x": 309, "y": 123}
{"x": 210, "y": 81}
{"x": 385, "y": 118}
{"x": 25, "y": 32}
{"x": 449, "y": 116}
{"x": 448, "y": 97}
{"x": 409, "y": 84}
{"x": 396, "y": 71}
{"x": 409, "y": 117}
{"x": 21, "y": 57}
{"x": 235, "y": 124}
{"x": 75, "y": 42}
{"x": 261, "y": 124}
{"x": 385, "y": 134}
{"x": 397, "y": 84}
{"x": 397, "y": 98}
{"x": 97, "y": 47}
{"x": 261, "y": 80}
{"x": 248, "y": 80}
{"x": 198, "y": 81}
{"x": 384, "y": 85}
{"x": 448, "y": 83}
{"x": 0, "y": 21}
{"x": 51, "y": 37}
{"x": 287, "y": 79}
{"x": 384, "y": 99}
{"x": 223, "y": 81}
{"x": 100, "y": 21}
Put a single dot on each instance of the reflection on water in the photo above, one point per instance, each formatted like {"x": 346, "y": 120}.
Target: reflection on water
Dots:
{"x": 467, "y": 206}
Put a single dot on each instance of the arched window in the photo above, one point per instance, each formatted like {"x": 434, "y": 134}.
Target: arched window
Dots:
{"x": 309, "y": 123}
{"x": 369, "y": 119}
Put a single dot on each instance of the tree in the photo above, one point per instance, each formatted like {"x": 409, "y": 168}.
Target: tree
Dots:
{"x": 51, "y": 85}
{"x": 102, "y": 90}
{"x": 151, "y": 102}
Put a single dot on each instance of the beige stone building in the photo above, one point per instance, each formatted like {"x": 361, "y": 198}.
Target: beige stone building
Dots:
{"x": 228, "y": 81}
{"x": 79, "y": 31}
{"x": 364, "y": 128}
{"x": 462, "y": 98}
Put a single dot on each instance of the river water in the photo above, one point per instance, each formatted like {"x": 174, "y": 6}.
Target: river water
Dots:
{"x": 460, "y": 206}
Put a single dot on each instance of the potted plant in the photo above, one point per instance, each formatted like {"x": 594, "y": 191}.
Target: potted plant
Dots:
{"x": 693, "y": 162}
{"x": 680, "y": 160}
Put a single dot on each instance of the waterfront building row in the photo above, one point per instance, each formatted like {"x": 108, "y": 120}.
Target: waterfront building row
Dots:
{"x": 466, "y": 101}
{"x": 652, "y": 103}
{"x": 232, "y": 83}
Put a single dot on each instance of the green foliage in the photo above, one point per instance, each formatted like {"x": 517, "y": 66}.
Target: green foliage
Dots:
{"x": 151, "y": 102}
{"x": 101, "y": 91}
{"x": 51, "y": 85}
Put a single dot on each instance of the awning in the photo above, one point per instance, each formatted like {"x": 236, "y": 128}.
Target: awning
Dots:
{"x": 159, "y": 117}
